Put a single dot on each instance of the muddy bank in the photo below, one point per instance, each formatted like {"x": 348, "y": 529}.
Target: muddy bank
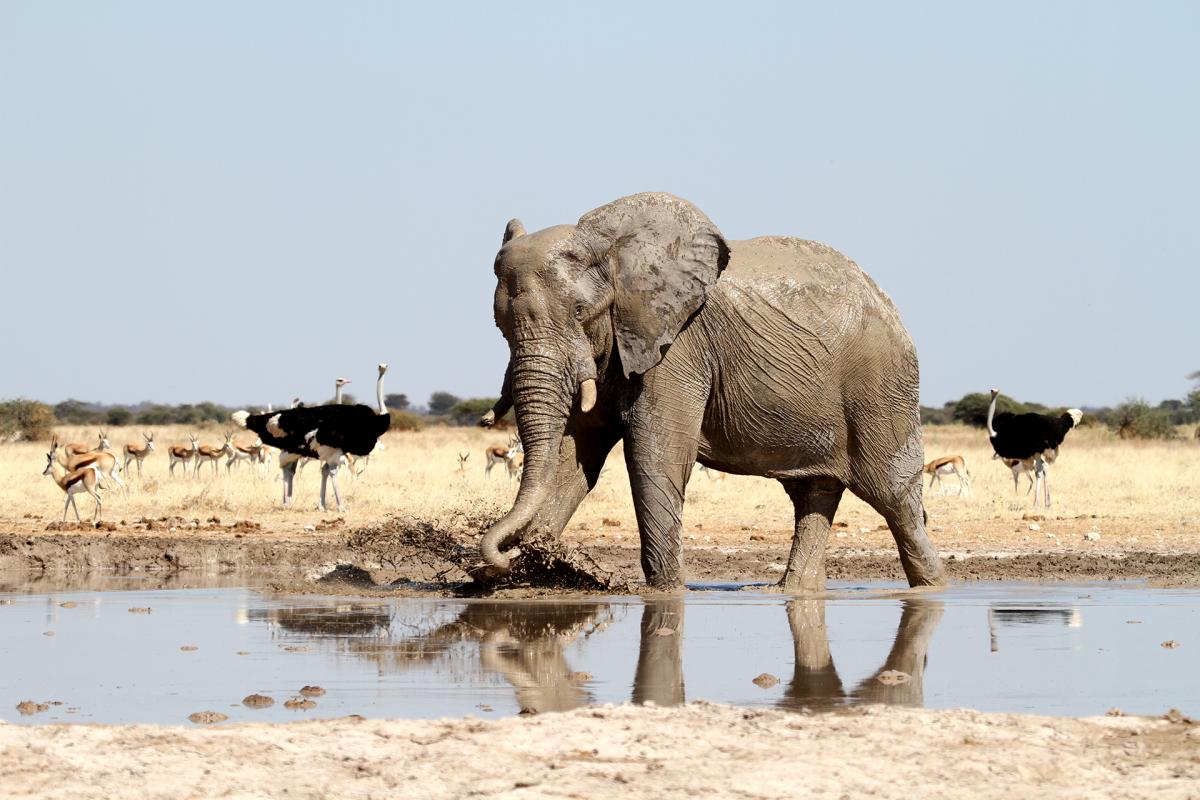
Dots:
{"x": 83, "y": 556}
{"x": 694, "y": 750}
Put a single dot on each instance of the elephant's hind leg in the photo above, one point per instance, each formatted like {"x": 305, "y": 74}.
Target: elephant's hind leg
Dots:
{"x": 898, "y": 501}
{"x": 816, "y": 501}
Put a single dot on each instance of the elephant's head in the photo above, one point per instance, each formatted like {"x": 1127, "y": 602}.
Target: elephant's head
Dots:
{"x": 584, "y": 307}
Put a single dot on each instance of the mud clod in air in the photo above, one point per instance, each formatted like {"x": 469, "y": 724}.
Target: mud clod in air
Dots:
{"x": 189, "y": 648}
{"x": 68, "y": 604}
{"x": 29, "y": 708}
{"x": 312, "y": 691}
{"x": 1170, "y": 644}
{"x": 765, "y": 681}
{"x": 257, "y": 701}
{"x": 207, "y": 717}
{"x": 139, "y": 610}
{"x": 579, "y": 677}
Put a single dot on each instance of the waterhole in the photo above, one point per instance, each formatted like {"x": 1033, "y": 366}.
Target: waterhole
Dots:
{"x": 159, "y": 656}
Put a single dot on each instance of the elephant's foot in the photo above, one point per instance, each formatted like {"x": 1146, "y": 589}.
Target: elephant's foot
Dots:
{"x": 922, "y": 566}
{"x": 663, "y": 568}
{"x": 802, "y": 580}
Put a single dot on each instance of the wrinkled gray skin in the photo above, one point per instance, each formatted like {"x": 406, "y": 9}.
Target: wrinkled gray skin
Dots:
{"x": 772, "y": 356}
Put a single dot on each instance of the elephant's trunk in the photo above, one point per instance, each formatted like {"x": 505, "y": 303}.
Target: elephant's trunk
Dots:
{"x": 541, "y": 412}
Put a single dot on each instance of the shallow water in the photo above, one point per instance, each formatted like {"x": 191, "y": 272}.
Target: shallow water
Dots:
{"x": 1048, "y": 649}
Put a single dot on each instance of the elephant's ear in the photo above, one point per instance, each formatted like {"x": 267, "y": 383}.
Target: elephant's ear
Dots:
{"x": 512, "y": 230}
{"x": 663, "y": 254}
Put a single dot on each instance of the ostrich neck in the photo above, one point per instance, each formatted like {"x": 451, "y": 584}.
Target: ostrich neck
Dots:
{"x": 337, "y": 394}
{"x": 379, "y": 396}
{"x": 991, "y": 414}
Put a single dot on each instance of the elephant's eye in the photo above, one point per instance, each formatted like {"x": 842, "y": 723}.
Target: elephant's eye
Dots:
{"x": 580, "y": 311}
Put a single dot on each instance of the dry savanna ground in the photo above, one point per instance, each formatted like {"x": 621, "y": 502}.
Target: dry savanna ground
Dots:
{"x": 1138, "y": 495}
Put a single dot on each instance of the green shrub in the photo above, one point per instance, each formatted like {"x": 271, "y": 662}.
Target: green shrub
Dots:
{"x": 972, "y": 408}
{"x": 406, "y": 421}
{"x": 76, "y": 412}
{"x": 1137, "y": 419}
{"x": 468, "y": 412}
{"x": 442, "y": 402}
{"x": 26, "y": 420}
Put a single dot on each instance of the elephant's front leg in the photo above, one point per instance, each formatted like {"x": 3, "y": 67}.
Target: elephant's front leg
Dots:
{"x": 660, "y": 451}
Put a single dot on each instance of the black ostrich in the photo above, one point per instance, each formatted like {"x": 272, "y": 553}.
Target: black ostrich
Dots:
{"x": 1030, "y": 436}
{"x": 325, "y": 433}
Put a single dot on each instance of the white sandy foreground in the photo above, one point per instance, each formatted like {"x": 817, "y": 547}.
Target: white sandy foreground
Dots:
{"x": 699, "y": 750}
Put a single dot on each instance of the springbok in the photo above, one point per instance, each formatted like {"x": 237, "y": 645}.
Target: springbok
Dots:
{"x": 515, "y": 461}
{"x": 497, "y": 454}
{"x": 78, "y": 448}
{"x": 84, "y": 479}
{"x": 462, "y": 465}
{"x": 1019, "y": 465}
{"x": 245, "y": 452}
{"x": 138, "y": 452}
{"x": 949, "y": 465}
{"x": 103, "y": 461}
{"x": 178, "y": 454}
{"x": 212, "y": 454}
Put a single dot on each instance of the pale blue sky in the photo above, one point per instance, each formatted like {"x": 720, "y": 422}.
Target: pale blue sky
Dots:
{"x": 242, "y": 201}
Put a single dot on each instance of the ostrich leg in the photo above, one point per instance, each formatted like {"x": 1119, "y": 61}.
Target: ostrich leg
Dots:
{"x": 324, "y": 481}
{"x": 337, "y": 498}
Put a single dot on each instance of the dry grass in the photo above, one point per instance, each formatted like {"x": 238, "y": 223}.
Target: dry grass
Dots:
{"x": 1127, "y": 485}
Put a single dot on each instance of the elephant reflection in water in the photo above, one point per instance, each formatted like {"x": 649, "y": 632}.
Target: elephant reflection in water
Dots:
{"x": 659, "y": 676}
{"x": 899, "y": 681}
{"x": 525, "y": 644}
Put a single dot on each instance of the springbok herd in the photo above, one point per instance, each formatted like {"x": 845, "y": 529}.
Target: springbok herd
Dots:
{"x": 79, "y": 468}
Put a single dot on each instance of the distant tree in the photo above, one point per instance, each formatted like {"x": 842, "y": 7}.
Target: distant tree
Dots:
{"x": 1137, "y": 419}
{"x": 972, "y": 408}
{"x": 26, "y": 419}
{"x": 937, "y": 416}
{"x": 1193, "y": 405}
{"x": 156, "y": 415}
{"x": 118, "y": 415}
{"x": 441, "y": 403}
{"x": 75, "y": 412}
{"x": 468, "y": 412}
{"x": 396, "y": 402}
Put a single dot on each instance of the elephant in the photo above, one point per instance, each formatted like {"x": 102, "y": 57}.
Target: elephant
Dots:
{"x": 773, "y": 356}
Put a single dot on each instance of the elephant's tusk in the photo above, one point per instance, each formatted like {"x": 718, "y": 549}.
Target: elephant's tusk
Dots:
{"x": 587, "y": 395}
